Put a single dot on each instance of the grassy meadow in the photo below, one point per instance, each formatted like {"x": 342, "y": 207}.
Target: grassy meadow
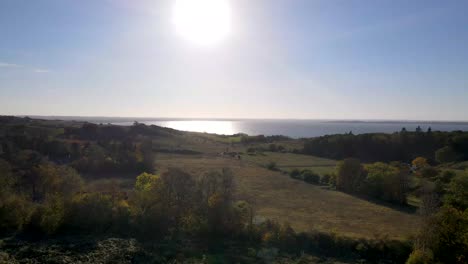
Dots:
{"x": 276, "y": 195}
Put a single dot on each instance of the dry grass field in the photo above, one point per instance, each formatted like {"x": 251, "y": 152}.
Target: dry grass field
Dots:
{"x": 289, "y": 161}
{"x": 305, "y": 206}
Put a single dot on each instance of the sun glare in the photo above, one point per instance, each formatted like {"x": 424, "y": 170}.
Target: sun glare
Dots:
{"x": 203, "y": 22}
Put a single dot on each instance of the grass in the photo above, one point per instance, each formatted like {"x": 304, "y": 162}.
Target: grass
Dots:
{"x": 304, "y": 206}
{"x": 290, "y": 161}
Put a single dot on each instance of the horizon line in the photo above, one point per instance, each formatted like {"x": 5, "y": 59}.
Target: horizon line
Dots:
{"x": 142, "y": 118}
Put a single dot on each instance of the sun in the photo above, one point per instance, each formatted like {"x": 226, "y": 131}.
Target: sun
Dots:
{"x": 203, "y": 22}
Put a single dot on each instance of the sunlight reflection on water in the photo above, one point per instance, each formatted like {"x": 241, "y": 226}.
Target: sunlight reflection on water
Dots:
{"x": 217, "y": 127}
{"x": 297, "y": 128}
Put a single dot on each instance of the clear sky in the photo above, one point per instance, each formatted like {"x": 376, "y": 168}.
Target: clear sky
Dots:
{"x": 331, "y": 59}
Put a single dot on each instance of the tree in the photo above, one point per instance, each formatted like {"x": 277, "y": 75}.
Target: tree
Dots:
{"x": 7, "y": 179}
{"x": 444, "y": 238}
{"x": 48, "y": 178}
{"x": 325, "y": 179}
{"x": 177, "y": 194}
{"x": 295, "y": 173}
{"x": 447, "y": 176}
{"x": 428, "y": 172}
{"x": 387, "y": 182}
{"x": 147, "y": 188}
{"x": 420, "y": 256}
{"x": 310, "y": 177}
{"x": 460, "y": 145}
{"x": 271, "y": 166}
{"x": 457, "y": 192}
{"x": 349, "y": 175}
{"x": 380, "y": 177}
{"x": 446, "y": 154}
{"x": 420, "y": 162}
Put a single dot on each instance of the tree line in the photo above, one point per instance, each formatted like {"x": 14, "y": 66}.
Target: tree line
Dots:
{"x": 401, "y": 146}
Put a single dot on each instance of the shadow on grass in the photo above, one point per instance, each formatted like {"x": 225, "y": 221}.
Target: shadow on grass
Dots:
{"x": 404, "y": 208}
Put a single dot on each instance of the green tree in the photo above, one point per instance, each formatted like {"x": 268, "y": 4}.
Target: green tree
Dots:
{"x": 428, "y": 172}
{"x": 90, "y": 213}
{"x": 349, "y": 175}
{"x": 420, "y": 256}
{"x": 387, "y": 182}
{"x": 147, "y": 188}
{"x": 295, "y": 173}
{"x": 457, "y": 192}
{"x": 310, "y": 177}
{"x": 447, "y": 175}
{"x": 446, "y": 154}
{"x": 48, "y": 178}
{"x": 15, "y": 211}
{"x": 444, "y": 238}
{"x": 7, "y": 179}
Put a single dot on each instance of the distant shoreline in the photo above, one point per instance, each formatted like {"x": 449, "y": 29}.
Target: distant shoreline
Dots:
{"x": 104, "y": 119}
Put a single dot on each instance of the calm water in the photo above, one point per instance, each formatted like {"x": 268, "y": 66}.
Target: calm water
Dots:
{"x": 298, "y": 128}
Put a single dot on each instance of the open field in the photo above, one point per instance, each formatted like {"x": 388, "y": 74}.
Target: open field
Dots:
{"x": 305, "y": 206}
{"x": 289, "y": 161}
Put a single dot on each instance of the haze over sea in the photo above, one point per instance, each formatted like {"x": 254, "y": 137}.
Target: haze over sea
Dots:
{"x": 292, "y": 128}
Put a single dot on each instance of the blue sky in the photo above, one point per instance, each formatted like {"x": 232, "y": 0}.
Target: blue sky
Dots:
{"x": 331, "y": 59}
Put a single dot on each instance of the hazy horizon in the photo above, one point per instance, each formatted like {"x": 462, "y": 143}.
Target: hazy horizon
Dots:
{"x": 156, "y": 118}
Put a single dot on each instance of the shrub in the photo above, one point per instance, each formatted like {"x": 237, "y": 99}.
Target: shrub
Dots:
{"x": 47, "y": 218}
{"x": 447, "y": 176}
{"x": 295, "y": 173}
{"x": 428, "y": 172}
{"x": 14, "y": 213}
{"x": 332, "y": 180}
{"x": 52, "y": 217}
{"x": 310, "y": 177}
{"x": 272, "y": 166}
{"x": 349, "y": 175}
{"x": 446, "y": 154}
{"x": 325, "y": 179}
{"x": 90, "y": 213}
{"x": 445, "y": 235}
{"x": 419, "y": 256}
{"x": 457, "y": 192}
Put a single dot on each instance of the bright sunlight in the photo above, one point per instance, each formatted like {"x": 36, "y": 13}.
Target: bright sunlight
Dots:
{"x": 203, "y": 22}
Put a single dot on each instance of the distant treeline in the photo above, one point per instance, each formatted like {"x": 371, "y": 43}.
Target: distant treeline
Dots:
{"x": 88, "y": 148}
{"x": 401, "y": 146}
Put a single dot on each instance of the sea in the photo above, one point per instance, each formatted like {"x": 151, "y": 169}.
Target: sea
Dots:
{"x": 292, "y": 128}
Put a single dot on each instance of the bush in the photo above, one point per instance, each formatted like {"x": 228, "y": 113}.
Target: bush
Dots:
{"x": 419, "y": 256}
{"x": 428, "y": 172}
{"x": 325, "y": 179}
{"x": 332, "y": 180}
{"x": 46, "y": 218}
{"x": 447, "y": 176}
{"x": 14, "y": 213}
{"x": 295, "y": 174}
{"x": 52, "y": 214}
{"x": 90, "y": 213}
{"x": 457, "y": 192}
{"x": 446, "y": 154}
{"x": 349, "y": 175}
{"x": 272, "y": 166}
{"x": 310, "y": 177}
